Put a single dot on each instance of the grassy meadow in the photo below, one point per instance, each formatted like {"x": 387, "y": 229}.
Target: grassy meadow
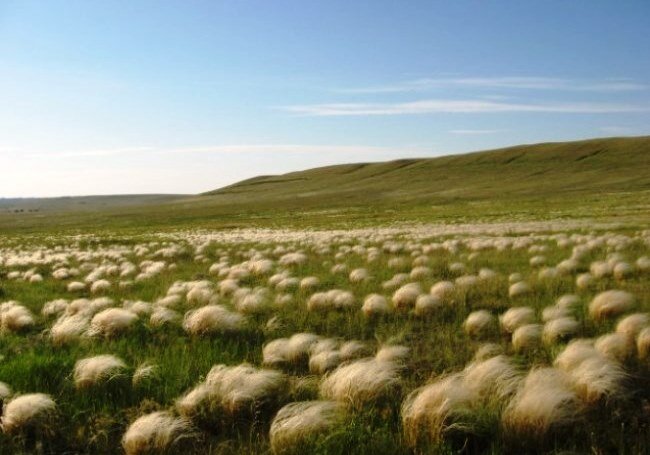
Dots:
{"x": 479, "y": 323}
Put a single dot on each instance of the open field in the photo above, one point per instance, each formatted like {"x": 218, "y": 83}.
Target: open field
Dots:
{"x": 513, "y": 352}
{"x": 511, "y": 321}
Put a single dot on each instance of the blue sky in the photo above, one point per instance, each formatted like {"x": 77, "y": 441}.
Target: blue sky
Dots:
{"x": 186, "y": 96}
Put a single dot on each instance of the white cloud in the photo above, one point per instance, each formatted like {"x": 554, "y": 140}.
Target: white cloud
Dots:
{"x": 228, "y": 148}
{"x": 433, "y": 106}
{"x": 507, "y": 82}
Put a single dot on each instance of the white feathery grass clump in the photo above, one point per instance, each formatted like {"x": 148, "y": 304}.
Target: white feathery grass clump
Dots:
{"x": 615, "y": 346}
{"x": 261, "y": 267}
{"x": 138, "y": 307}
{"x": 426, "y": 304}
{"x": 545, "y": 400}
{"x": 76, "y": 286}
{"x": 574, "y": 353}
{"x": 632, "y": 325}
{"x": 95, "y": 370}
{"x": 309, "y": 282}
{"x": 406, "y": 296}
{"x": 567, "y": 301}
{"x": 27, "y": 411}
{"x": 444, "y": 290}
{"x": 201, "y": 295}
{"x": 233, "y": 390}
{"x": 169, "y": 301}
{"x": 301, "y": 421}
{"x": 643, "y": 264}
{"x": 610, "y": 303}
{"x": 375, "y": 305}
{"x": 54, "y": 307}
{"x": 478, "y": 322}
{"x": 643, "y": 343}
{"x": 14, "y": 317}
{"x": 516, "y": 317}
{"x": 335, "y": 299}
{"x": 623, "y": 270}
{"x": 111, "y": 321}
{"x": 100, "y": 286}
{"x": 593, "y": 375}
{"x": 494, "y": 378}
{"x": 322, "y": 362}
{"x": 596, "y": 378}
{"x": 584, "y": 280}
{"x": 393, "y": 353}
{"x": 537, "y": 261}
{"x": 353, "y": 350}
{"x": 362, "y": 382}
{"x": 396, "y": 281}
{"x": 293, "y": 350}
{"x": 560, "y": 328}
{"x": 466, "y": 281}
{"x": 554, "y": 312}
{"x": 486, "y": 274}
{"x": 359, "y": 276}
{"x": 161, "y": 316}
{"x": 253, "y": 302}
{"x": 428, "y": 412}
{"x": 69, "y": 328}
{"x": 212, "y": 319}
{"x": 420, "y": 273}
{"x": 293, "y": 259}
{"x": 600, "y": 269}
{"x": 157, "y": 432}
{"x": 526, "y": 337}
{"x": 518, "y": 289}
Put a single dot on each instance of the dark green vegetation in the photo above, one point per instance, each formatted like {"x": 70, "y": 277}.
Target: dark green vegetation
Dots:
{"x": 599, "y": 178}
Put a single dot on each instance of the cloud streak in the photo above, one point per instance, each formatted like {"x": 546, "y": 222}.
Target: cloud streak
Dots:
{"x": 513, "y": 83}
{"x": 228, "y": 149}
{"x": 459, "y": 106}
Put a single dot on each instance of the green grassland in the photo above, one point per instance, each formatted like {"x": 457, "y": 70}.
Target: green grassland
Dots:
{"x": 599, "y": 178}
{"x": 597, "y": 188}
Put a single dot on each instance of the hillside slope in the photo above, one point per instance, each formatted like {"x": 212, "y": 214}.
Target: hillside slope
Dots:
{"x": 596, "y": 179}
{"x": 550, "y": 169}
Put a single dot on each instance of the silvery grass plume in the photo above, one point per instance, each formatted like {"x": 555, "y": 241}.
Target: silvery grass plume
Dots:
{"x": 544, "y": 401}
{"x": 96, "y": 370}
{"x": 300, "y": 422}
{"x": 610, "y": 304}
{"x": 363, "y": 382}
{"x": 233, "y": 391}
{"x": 212, "y": 319}
{"x": 157, "y": 432}
{"x": 35, "y": 410}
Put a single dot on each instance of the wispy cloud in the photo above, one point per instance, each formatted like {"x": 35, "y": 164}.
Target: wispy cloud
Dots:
{"x": 470, "y": 132}
{"x": 229, "y": 148}
{"x": 433, "y": 106}
{"x": 516, "y": 83}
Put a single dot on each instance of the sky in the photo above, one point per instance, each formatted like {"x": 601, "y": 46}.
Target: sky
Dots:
{"x": 121, "y": 97}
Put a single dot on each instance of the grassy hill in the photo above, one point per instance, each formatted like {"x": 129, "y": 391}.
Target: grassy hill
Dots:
{"x": 599, "y": 178}
{"x": 548, "y": 170}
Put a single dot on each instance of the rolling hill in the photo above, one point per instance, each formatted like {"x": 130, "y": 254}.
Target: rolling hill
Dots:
{"x": 598, "y": 178}
{"x": 547, "y": 170}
